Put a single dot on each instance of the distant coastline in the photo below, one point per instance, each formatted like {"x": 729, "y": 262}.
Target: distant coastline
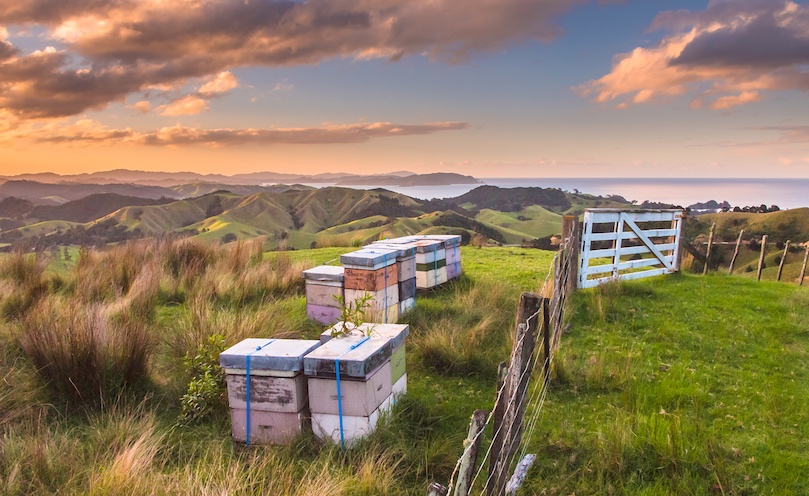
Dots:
{"x": 786, "y": 193}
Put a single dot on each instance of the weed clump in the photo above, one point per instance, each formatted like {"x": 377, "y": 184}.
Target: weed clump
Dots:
{"x": 85, "y": 353}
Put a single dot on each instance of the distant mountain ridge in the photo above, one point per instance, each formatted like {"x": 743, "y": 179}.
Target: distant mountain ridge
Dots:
{"x": 168, "y": 179}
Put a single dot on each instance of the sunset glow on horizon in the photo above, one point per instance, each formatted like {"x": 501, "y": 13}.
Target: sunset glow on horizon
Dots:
{"x": 507, "y": 88}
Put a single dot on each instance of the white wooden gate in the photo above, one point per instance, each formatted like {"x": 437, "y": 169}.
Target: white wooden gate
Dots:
{"x": 618, "y": 244}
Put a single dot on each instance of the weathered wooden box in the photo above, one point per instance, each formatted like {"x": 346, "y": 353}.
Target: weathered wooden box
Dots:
{"x": 405, "y": 256}
{"x": 431, "y": 257}
{"x": 407, "y": 288}
{"x": 359, "y": 397}
{"x": 431, "y": 278}
{"x": 324, "y": 294}
{"x": 324, "y": 315}
{"x": 371, "y": 280}
{"x": 453, "y": 271}
{"x": 268, "y": 427}
{"x": 389, "y": 315}
{"x": 386, "y": 297}
{"x": 267, "y": 393}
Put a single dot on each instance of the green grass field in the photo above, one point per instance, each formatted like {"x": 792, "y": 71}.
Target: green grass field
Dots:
{"x": 680, "y": 384}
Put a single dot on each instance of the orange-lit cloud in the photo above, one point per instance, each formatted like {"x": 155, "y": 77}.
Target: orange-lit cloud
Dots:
{"x": 86, "y": 131}
{"x": 730, "y": 54}
{"x": 187, "y": 105}
{"x": 108, "y": 50}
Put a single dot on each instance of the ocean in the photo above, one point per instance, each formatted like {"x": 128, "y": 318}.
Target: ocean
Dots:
{"x": 786, "y": 193}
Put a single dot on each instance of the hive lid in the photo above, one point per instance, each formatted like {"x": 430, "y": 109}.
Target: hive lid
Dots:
{"x": 448, "y": 239}
{"x": 358, "y": 362}
{"x": 395, "y": 332}
{"x": 370, "y": 257}
{"x": 403, "y": 250}
{"x": 283, "y": 355}
{"x": 324, "y": 273}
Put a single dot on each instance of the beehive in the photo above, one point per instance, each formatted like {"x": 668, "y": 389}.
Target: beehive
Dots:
{"x": 324, "y": 289}
{"x": 373, "y": 272}
{"x": 367, "y": 366}
{"x": 406, "y": 262}
{"x": 267, "y": 390}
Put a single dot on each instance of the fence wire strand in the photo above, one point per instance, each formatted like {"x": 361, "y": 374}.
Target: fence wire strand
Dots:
{"x": 532, "y": 402}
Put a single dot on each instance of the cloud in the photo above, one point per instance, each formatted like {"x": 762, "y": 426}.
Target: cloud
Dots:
{"x": 111, "y": 49}
{"x": 86, "y": 132}
{"x": 731, "y": 54}
{"x": 142, "y": 106}
{"x": 219, "y": 85}
{"x": 187, "y": 105}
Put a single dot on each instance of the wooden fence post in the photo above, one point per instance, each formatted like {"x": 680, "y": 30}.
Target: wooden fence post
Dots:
{"x": 516, "y": 385}
{"x": 710, "y": 245}
{"x": 436, "y": 489}
{"x": 783, "y": 257}
{"x": 570, "y": 249}
{"x": 803, "y": 269}
{"x": 546, "y": 340}
{"x": 736, "y": 252}
{"x": 761, "y": 257}
{"x": 470, "y": 455}
{"x": 497, "y": 426}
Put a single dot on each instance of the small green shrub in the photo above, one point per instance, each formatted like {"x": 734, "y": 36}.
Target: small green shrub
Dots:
{"x": 207, "y": 385}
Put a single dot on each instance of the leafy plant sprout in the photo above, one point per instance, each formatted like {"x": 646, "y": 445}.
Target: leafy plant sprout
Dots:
{"x": 352, "y": 315}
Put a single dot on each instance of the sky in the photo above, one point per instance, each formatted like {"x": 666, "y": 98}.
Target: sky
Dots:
{"x": 489, "y": 88}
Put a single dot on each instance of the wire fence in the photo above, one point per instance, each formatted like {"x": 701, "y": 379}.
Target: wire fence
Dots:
{"x": 521, "y": 391}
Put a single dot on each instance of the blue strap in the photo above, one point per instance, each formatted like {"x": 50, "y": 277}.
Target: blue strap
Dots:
{"x": 247, "y": 388}
{"x": 435, "y": 266}
{"x": 339, "y": 393}
{"x": 385, "y": 263}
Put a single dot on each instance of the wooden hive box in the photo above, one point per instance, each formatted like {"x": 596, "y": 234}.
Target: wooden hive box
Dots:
{"x": 276, "y": 408}
{"x": 358, "y": 356}
{"x": 371, "y": 280}
{"x": 406, "y": 306}
{"x": 380, "y": 300}
{"x": 329, "y": 427}
{"x": 324, "y": 285}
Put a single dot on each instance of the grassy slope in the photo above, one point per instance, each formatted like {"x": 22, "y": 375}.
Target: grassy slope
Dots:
{"x": 787, "y": 224}
{"x": 680, "y": 385}
{"x": 673, "y": 385}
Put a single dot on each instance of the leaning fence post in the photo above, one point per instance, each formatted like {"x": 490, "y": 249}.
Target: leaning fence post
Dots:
{"x": 761, "y": 257}
{"x": 710, "y": 245}
{"x": 470, "y": 454}
{"x": 783, "y": 257}
{"x": 497, "y": 427}
{"x": 546, "y": 340}
{"x": 736, "y": 252}
{"x": 803, "y": 269}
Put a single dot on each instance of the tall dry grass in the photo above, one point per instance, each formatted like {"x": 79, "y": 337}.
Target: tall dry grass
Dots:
{"x": 22, "y": 283}
{"x": 467, "y": 334}
{"x": 85, "y": 353}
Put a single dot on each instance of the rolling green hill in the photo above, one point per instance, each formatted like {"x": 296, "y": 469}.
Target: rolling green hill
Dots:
{"x": 299, "y": 218}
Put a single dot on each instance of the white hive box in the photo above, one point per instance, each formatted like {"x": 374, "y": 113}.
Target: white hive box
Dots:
{"x": 406, "y": 306}
{"x": 327, "y": 426}
{"x": 275, "y": 408}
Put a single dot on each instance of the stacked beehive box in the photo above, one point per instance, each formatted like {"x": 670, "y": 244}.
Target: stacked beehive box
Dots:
{"x": 351, "y": 381}
{"x": 431, "y": 263}
{"x": 373, "y": 272}
{"x": 406, "y": 264}
{"x": 324, "y": 289}
{"x": 452, "y": 249}
{"x": 267, "y": 390}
